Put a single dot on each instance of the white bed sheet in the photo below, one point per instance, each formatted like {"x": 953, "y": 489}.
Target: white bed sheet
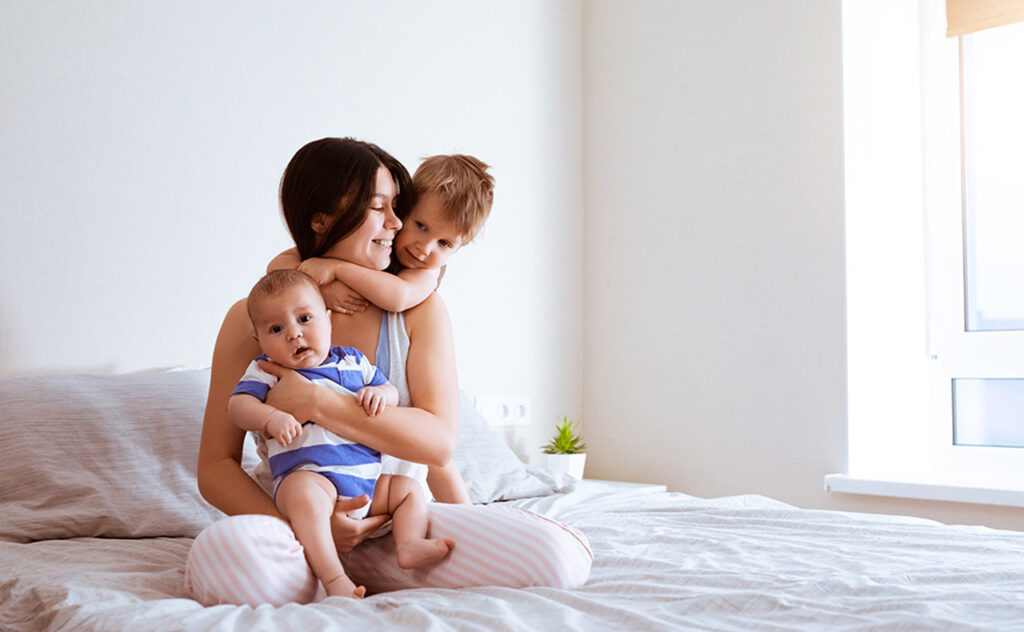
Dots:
{"x": 663, "y": 562}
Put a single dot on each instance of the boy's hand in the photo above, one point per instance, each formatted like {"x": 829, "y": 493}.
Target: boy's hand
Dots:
{"x": 374, "y": 398}
{"x": 341, "y": 299}
{"x": 283, "y": 427}
{"x": 322, "y": 270}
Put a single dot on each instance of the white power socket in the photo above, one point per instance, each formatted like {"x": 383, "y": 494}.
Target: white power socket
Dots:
{"x": 504, "y": 411}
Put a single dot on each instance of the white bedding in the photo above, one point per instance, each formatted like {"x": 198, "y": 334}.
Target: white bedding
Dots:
{"x": 662, "y": 561}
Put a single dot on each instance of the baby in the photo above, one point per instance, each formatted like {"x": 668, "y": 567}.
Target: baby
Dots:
{"x": 312, "y": 466}
{"x": 454, "y": 194}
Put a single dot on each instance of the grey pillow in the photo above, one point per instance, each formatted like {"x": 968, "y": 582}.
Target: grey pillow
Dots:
{"x": 115, "y": 456}
{"x": 491, "y": 470}
{"x": 102, "y": 455}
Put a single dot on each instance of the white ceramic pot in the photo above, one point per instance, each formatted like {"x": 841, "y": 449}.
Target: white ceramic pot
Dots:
{"x": 571, "y": 463}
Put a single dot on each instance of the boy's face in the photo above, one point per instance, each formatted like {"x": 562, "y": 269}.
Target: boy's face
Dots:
{"x": 293, "y": 327}
{"x": 427, "y": 237}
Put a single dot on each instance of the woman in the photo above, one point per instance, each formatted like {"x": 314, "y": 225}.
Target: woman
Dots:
{"x": 344, "y": 198}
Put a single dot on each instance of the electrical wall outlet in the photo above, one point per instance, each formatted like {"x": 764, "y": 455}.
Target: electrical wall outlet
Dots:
{"x": 504, "y": 411}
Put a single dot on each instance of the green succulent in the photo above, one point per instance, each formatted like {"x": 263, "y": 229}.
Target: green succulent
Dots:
{"x": 566, "y": 440}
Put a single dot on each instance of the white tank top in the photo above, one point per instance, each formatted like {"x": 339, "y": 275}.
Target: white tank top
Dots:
{"x": 392, "y": 351}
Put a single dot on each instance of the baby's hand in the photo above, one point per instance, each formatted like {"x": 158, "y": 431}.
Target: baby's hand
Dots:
{"x": 283, "y": 427}
{"x": 374, "y": 399}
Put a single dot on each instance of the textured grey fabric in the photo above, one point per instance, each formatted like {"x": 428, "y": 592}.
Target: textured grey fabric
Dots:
{"x": 115, "y": 456}
{"x": 102, "y": 456}
{"x": 491, "y": 470}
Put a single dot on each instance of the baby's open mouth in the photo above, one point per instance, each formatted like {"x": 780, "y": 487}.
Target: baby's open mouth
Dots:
{"x": 300, "y": 351}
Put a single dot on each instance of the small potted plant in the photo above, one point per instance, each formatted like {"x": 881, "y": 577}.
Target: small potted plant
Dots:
{"x": 566, "y": 452}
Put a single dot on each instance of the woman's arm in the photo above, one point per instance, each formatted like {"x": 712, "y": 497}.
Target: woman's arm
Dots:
{"x": 390, "y": 292}
{"x": 222, "y": 482}
{"x": 424, "y": 434}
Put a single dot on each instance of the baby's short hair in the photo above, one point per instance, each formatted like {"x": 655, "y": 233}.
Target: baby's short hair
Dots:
{"x": 275, "y": 282}
{"x": 464, "y": 186}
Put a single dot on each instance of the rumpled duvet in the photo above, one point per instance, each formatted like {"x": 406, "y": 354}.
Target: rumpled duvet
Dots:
{"x": 663, "y": 561}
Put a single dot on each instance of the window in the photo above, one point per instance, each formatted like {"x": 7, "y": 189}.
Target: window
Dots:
{"x": 992, "y": 101}
{"x": 973, "y": 210}
{"x": 935, "y": 256}
{"x": 987, "y": 412}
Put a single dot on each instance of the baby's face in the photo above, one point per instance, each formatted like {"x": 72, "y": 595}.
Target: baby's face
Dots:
{"x": 293, "y": 327}
{"x": 427, "y": 237}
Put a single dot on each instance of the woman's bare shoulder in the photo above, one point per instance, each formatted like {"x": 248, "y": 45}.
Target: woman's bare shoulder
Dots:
{"x": 236, "y": 334}
{"x": 431, "y": 313}
{"x": 237, "y": 321}
{"x": 238, "y": 307}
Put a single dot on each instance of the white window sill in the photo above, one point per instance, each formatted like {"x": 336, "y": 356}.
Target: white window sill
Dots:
{"x": 982, "y": 492}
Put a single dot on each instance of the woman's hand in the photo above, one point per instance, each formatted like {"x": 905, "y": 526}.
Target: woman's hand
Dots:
{"x": 348, "y": 532}
{"x": 342, "y": 299}
{"x": 293, "y": 393}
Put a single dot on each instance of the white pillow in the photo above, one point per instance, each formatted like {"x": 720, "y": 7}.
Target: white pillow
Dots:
{"x": 102, "y": 455}
{"x": 490, "y": 468}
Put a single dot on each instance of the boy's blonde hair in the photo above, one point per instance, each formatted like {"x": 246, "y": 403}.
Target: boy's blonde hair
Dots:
{"x": 464, "y": 187}
{"x": 274, "y": 283}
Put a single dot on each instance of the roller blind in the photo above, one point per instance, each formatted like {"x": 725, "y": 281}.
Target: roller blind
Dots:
{"x": 968, "y": 16}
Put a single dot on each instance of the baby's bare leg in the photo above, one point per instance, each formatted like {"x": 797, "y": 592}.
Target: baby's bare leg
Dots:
{"x": 408, "y": 509}
{"x": 307, "y": 499}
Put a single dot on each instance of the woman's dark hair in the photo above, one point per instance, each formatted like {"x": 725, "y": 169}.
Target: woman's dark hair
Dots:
{"x": 336, "y": 177}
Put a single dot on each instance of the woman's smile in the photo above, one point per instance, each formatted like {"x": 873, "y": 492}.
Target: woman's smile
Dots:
{"x": 369, "y": 245}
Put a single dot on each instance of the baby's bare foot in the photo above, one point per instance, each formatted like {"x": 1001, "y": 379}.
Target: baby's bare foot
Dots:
{"x": 421, "y": 552}
{"x": 342, "y": 586}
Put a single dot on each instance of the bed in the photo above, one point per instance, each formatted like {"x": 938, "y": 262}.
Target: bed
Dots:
{"x": 98, "y": 508}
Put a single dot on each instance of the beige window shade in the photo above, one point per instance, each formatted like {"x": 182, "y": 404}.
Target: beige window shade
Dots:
{"x": 968, "y": 16}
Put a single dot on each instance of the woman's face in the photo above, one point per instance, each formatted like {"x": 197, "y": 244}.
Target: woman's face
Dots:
{"x": 369, "y": 245}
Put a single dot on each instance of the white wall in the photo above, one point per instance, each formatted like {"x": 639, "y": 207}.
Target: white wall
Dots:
{"x": 713, "y": 252}
{"x": 143, "y": 143}
{"x": 714, "y": 245}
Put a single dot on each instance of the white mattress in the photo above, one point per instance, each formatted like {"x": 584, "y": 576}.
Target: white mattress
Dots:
{"x": 663, "y": 561}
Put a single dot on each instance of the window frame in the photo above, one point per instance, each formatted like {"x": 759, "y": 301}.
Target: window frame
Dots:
{"x": 904, "y": 208}
{"x": 954, "y": 351}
